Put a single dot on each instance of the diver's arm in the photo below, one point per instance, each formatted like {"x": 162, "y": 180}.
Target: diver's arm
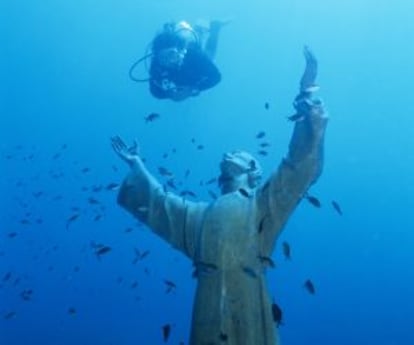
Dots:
{"x": 303, "y": 164}
{"x": 171, "y": 217}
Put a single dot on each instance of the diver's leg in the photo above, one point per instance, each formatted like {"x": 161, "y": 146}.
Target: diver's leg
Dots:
{"x": 210, "y": 47}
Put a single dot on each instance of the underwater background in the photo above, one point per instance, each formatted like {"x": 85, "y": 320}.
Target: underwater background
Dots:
{"x": 65, "y": 91}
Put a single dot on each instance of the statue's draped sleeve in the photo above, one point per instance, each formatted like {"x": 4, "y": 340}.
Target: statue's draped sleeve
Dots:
{"x": 296, "y": 173}
{"x": 171, "y": 217}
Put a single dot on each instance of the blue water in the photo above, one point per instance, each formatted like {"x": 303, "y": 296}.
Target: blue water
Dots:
{"x": 65, "y": 91}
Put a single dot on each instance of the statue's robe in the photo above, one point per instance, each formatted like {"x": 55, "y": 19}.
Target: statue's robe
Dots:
{"x": 229, "y": 239}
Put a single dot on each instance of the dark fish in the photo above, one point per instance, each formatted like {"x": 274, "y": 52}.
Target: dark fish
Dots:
{"x": 134, "y": 284}
{"x": 97, "y": 188}
{"x": 112, "y": 186}
{"x": 188, "y": 192}
{"x": 223, "y": 337}
{"x": 308, "y": 285}
{"x": 286, "y": 250}
{"x": 212, "y": 194}
{"x": 12, "y": 234}
{"x": 170, "y": 286}
{"x": 26, "y": 294}
{"x": 25, "y": 221}
{"x": 249, "y": 271}
{"x": 277, "y": 314}
{"x": 85, "y": 170}
{"x": 244, "y": 192}
{"x": 261, "y": 224}
{"x": 72, "y": 311}
{"x": 7, "y": 276}
{"x": 262, "y": 152}
{"x": 97, "y": 217}
{"x": 260, "y": 135}
{"x": 264, "y": 144}
{"x": 93, "y": 201}
{"x": 266, "y": 260}
{"x": 56, "y": 156}
{"x": 166, "y": 330}
{"x": 71, "y": 219}
{"x": 10, "y": 315}
{"x": 296, "y": 117}
{"x": 170, "y": 183}
{"x": 102, "y": 250}
{"x": 139, "y": 256}
{"x": 151, "y": 117}
{"x": 203, "y": 267}
{"x": 267, "y": 106}
{"x": 164, "y": 172}
{"x": 200, "y": 147}
{"x": 37, "y": 194}
{"x": 313, "y": 200}
{"x": 129, "y": 229}
{"x": 337, "y": 207}
{"x": 211, "y": 181}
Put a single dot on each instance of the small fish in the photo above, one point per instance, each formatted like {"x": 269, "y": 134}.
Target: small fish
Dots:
{"x": 261, "y": 224}
{"x": 264, "y": 144}
{"x": 139, "y": 256}
{"x": 151, "y": 117}
{"x": 203, "y": 267}
{"x": 266, "y": 260}
{"x": 308, "y": 285}
{"x": 164, "y": 172}
{"x": 313, "y": 200}
{"x": 97, "y": 217}
{"x": 286, "y": 250}
{"x": 200, "y": 147}
{"x": 337, "y": 207}
{"x": 212, "y": 180}
{"x": 10, "y": 315}
{"x": 276, "y": 314}
{"x": 249, "y": 271}
{"x": 112, "y": 186}
{"x": 296, "y": 117}
{"x": 93, "y": 201}
{"x": 7, "y": 276}
{"x": 188, "y": 192}
{"x": 170, "y": 286}
{"x": 102, "y": 250}
{"x": 223, "y": 337}
{"x": 260, "y": 135}
{"x": 85, "y": 170}
{"x": 71, "y": 311}
{"x": 267, "y": 105}
{"x": 26, "y": 294}
{"x": 37, "y": 194}
{"x": 12, "y": 234}
{"x": 134, "y": 284}
{"x": 212, "y": 194}
{"x": 244, "y": 192}
{"x": 166, "y": 330}
{"x": 262, "y": 152}
{"x": 71, "y": 219}
{"x": 97, "y": 188}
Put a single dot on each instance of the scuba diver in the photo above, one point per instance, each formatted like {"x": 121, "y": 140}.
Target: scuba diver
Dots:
{"x": 182, "y": 60}
{"x": 231, "y": 239}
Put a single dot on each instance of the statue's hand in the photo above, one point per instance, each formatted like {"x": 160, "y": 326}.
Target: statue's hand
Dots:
{"x": 127, "y": 154}
{"x": 307, "y": 83}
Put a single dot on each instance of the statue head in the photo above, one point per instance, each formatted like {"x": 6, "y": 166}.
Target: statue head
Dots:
{"x": 239, "y": 169}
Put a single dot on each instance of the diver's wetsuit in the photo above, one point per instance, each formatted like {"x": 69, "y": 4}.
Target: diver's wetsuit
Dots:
{"x": 197, "y": 71}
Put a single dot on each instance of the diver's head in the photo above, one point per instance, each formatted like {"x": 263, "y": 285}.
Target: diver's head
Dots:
{"x": 239, "y": 169}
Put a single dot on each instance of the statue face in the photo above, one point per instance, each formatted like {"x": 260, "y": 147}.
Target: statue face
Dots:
{"x": 237, "y": 170}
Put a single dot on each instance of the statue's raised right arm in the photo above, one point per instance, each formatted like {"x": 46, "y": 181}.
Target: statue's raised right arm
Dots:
{"x": 303, "y": 164}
